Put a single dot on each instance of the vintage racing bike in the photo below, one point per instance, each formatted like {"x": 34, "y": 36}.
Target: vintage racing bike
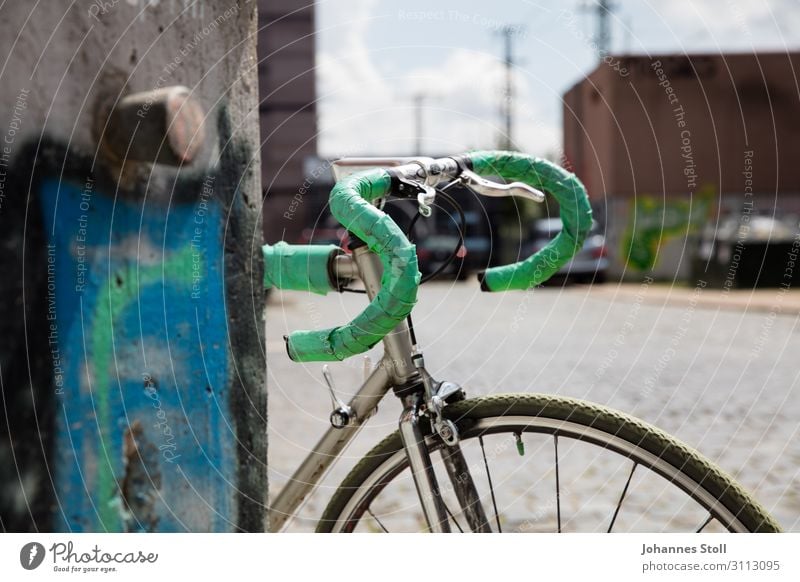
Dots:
{"x": 498, "y": 463}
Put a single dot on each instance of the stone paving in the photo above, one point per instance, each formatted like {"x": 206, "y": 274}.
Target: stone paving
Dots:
{"x": 718, "y": 371}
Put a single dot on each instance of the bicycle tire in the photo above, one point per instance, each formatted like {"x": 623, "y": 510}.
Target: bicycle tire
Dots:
{"x": 699, "y": 477}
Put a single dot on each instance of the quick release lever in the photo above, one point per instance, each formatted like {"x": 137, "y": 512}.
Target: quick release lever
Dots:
{"x": 342, "y": 414}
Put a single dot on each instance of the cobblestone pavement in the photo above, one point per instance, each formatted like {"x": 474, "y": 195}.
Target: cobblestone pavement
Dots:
{"x": 721, "y": 375}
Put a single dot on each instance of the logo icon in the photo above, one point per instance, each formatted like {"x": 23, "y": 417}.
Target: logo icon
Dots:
{"x": 31, "y": 555}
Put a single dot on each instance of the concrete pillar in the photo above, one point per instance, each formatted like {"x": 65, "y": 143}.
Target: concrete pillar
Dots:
{"x": 131, "y": 358}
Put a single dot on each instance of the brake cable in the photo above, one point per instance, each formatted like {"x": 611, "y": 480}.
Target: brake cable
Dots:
{"x": 409, "y": 232}
{"x": 462, "y": 228}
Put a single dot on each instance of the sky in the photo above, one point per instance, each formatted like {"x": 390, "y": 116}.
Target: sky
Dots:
{"x": 374, "y": 56}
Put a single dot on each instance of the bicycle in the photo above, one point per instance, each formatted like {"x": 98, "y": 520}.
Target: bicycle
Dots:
{"x": 437, "y": 417}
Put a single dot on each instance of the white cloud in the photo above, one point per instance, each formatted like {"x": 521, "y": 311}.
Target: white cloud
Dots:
{"x": 733, "y": 24}
{"x": 364, "y": 109}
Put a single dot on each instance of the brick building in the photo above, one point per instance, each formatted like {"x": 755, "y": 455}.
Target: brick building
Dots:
{"x": 287, "y": 92}
{"x": 670, "y": 143}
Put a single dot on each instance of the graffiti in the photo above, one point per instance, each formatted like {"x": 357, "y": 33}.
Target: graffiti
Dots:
{"x": 131, "y": 351}
{"x": 654, "y": 221}
{"x": 168, "y": 447}
{"x": 129, "y": 347}
{"x": 138, "y": 288}
{"x": 141, "y": 481}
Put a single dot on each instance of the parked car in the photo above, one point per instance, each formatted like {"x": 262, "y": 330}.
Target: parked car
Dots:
{"x": 745, "y": 253}
{"x": 434, "y": 250}
{"x": 475, "y": 255}
{"x": 589, "y": 265}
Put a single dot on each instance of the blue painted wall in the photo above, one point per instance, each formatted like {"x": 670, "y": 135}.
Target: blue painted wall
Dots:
{"x": 139, "y": 329}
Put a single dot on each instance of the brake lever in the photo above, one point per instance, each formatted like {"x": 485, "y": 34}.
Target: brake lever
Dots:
{"x": 426, "y": 194}
{"x": 486, "y": 187}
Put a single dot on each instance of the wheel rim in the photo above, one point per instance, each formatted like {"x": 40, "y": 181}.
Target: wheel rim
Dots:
{"x": 371, "y": 488}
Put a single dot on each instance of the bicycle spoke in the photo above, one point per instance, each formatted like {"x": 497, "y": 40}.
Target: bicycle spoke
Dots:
{"x": 491, "y": 487}
{"x": 622, "y": 498}
{"x": 662, "y": 507}
{"x": 464, "y": 487}
{"x": 705, "y": 523}
{"x": 558, "y": 485}
{"x": 453, "y": 517}
{"x": 377, "y": 520}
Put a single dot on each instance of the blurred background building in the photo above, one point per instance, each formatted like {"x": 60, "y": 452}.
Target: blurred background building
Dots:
{"x": 287, "y": 92}
{"x": 677, "y": 150}
{"x": 669, "y": 145}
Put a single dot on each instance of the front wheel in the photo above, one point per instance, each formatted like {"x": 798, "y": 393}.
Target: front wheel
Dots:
{"x": 549, "y": 463}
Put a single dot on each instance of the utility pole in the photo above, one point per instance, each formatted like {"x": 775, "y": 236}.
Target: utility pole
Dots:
{"x": 419, "y": 101}
{"x": 602, "y": 9}
{"x": 506, "y": 107}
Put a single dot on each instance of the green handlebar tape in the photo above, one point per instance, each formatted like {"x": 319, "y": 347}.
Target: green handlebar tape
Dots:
{"x": 350, "y": 205}
{"x": 576, "y": 214}
{"x": 299, "y": 267}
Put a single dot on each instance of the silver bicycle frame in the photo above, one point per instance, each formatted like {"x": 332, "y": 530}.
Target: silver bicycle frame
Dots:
{"x": 395, "y": 368}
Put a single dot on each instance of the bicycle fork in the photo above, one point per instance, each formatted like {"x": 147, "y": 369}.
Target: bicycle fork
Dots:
{"x": 419, "y": 462}
{"x": 436, "y": 513}
{"x": 404, "y": 368}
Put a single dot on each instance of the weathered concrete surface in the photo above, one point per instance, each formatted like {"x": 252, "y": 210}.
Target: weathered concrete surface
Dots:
{"x": 132, "y": 314}
{"x": 722, "y": 380}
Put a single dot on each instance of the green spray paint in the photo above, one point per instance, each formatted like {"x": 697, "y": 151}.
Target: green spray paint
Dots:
{"x": 654, "y": 221}
{"x": 124, "y": 288}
